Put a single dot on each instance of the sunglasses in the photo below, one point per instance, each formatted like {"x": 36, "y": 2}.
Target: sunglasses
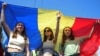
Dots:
{"x": 46, "y": 30}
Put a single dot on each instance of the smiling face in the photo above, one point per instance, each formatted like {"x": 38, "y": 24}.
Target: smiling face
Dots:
{"x": 20, "y": 27}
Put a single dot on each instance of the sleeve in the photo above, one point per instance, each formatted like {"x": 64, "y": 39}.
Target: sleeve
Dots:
{"x": 11, "y": 34}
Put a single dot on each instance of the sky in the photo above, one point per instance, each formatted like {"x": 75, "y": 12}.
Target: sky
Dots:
{"x": 76, "y": 8}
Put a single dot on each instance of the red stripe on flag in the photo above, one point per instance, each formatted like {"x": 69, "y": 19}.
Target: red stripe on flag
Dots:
{"x": 90, "y": 45}
{"x": 82, "y": 26}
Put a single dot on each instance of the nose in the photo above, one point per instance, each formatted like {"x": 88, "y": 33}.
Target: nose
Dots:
{"x": 67, "y": 31}
{"x": 19, "y": 26}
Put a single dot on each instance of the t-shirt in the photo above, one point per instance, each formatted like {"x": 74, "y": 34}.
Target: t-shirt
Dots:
{"x": 71, "y": 47}
{"x": 48, "y": 46}
{"x": 18, "y": 42}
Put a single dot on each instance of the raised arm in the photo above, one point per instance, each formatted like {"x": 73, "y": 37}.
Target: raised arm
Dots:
{"x": 5, "y": 26}
{"x": 97, "y": 22}
{"x": 85, "y": 37}
{"x": 57, "y": 27}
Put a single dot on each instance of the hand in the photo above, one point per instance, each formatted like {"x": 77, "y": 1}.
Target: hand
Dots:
{"x": 4, "y": 5}
{"x": 58, "y": 15}
{"x": 98, "y": 21}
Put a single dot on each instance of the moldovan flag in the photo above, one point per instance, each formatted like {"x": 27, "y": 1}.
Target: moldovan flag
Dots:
{"x": 36, "y": 20}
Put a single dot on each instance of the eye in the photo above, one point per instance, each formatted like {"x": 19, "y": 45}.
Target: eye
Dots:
{"x": 47, "y": 31}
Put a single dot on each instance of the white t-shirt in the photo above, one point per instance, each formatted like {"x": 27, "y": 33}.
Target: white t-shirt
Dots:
{"x": 71, "y": 47}
{"x": 18, "y": 42}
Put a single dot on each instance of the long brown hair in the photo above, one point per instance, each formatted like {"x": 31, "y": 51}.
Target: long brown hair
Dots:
{"x": 71, "y": 37}
{"x": 15, "y": 31}
{"x": 51, "y": 36}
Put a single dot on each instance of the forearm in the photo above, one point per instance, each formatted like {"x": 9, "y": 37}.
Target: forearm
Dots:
{"x": 2, "y": 15}
{"x": 27, "y": 53}
{"x": 57, "y": 29}
{"x": 6, "y": 28}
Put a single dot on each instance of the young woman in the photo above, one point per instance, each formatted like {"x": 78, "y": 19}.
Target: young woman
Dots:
{"x": 49, "y": 40}
{"x": 18, "y": 40}
{"x": 69, "y": 45}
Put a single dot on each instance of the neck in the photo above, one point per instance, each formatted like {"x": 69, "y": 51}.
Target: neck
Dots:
{"x": 19, "y": 33}
{"x": 48, "y": 37}
{"x": 67, "y": 37}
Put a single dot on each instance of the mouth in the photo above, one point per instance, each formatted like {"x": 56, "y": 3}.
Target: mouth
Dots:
{"x": 20, "y": 28}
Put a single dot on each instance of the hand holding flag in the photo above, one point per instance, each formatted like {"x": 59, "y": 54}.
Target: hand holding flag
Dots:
{"x": 4, "y": 5}
{"x": 58, "y": 15}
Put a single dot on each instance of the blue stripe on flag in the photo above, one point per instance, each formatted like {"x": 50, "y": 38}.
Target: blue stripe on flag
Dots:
{"x": 29, "y": 17}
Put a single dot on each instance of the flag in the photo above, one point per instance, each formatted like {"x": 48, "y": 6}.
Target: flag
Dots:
{"x": 36, "y": 20}
{"x": 81, "y": 26}
{"x": 90, "y": 45}
{"x": 28, "y": 16}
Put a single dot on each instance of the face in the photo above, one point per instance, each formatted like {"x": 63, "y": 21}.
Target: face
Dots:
{"x": 67, "y": 31}
{"x": 47, "y": 32}
{"x": 20, "y": 27}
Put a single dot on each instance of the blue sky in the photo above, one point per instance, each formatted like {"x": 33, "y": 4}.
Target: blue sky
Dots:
{"x": 79, "y": 8}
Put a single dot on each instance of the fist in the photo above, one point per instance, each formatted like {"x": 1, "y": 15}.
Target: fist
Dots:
{"x": 58, "y": 14}
{"x": 4, "y": 5}
{"x": 98, "y": 21}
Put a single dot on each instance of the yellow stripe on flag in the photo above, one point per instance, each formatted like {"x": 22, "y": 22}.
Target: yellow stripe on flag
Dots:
{"x": 47, "y": 18}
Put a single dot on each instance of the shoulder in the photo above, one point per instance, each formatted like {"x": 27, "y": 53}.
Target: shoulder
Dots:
{"x": 27, "y": 40}
{"x": 11, "y": 34}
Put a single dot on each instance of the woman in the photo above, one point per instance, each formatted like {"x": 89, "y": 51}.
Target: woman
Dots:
{"x": 49, "y": 40}
{"x": 69, "y": 45}
{"x": 18, "y": 40}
